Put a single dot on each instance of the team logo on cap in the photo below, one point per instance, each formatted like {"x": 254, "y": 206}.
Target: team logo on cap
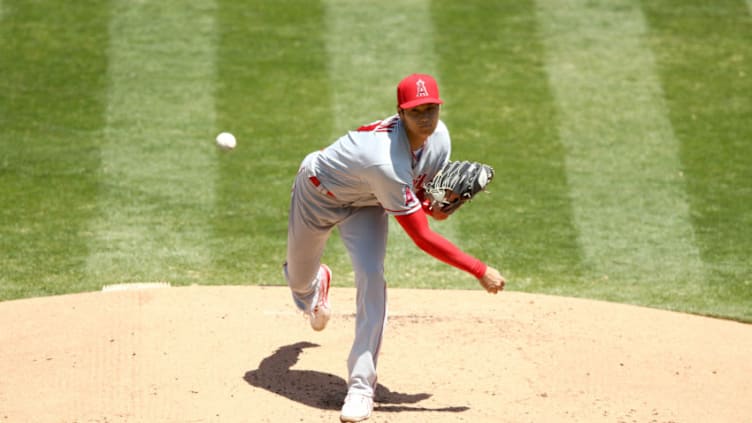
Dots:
{"x": 421, "y": 88}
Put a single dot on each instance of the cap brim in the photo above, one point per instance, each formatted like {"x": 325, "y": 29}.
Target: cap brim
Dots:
{"x": 419, "y": 101}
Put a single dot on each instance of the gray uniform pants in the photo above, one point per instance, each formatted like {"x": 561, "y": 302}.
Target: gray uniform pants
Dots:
{"x": 313, "y": 215}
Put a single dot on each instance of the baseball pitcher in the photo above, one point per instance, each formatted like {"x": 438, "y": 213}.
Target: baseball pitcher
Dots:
{"x": 400, "y": 167}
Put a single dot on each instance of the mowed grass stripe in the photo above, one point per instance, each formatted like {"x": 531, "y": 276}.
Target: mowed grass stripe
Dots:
{"x": 705, "y": 59}
{"x": 272, "y": 92}
{"x": 503, "y": 113}
{"x": 626, "y": 182}
{"x": 372, "y": 45}
{"x": 52, "y": 100}
{"x": 367, "y": 61}
{"x": 158, "y": 166}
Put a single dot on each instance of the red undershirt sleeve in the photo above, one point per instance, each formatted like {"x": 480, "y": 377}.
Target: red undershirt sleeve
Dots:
{"x": 416, "y": 226}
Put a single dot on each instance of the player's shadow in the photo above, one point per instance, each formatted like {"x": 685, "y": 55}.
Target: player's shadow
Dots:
{"x": 323, "y": 390}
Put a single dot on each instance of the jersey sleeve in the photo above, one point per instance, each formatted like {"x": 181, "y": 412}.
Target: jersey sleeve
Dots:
{"x": 416, "y": 226}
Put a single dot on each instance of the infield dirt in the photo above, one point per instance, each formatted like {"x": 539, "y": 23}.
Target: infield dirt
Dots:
{"x": 243, "y": 354}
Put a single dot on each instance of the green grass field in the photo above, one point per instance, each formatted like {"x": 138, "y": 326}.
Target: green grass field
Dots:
{"x": 621, "y": 132}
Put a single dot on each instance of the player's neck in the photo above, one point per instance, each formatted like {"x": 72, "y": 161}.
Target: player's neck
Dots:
{"x": 416, "y": 141}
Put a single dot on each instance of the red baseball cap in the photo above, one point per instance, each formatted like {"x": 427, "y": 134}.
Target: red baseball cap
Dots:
{"x": 417, "y": 89}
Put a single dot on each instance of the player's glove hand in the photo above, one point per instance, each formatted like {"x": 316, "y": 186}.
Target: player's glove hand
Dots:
{"x": 457, "y": 183}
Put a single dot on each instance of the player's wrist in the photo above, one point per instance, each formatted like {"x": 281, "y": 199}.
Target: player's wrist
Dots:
{"x": 479, "y": 269}
{"x": 437, "y": 214}
{"x": 426, "y": 205}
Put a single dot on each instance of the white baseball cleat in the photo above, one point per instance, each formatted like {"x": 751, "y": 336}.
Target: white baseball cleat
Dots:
{"x": 357, "y": 408}
{"x": 322, "y": 311}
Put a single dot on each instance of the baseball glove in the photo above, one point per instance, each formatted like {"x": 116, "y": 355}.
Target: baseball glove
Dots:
{"x": 457, "y": 183}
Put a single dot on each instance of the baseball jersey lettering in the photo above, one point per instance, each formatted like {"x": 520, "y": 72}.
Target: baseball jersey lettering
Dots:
{"x": 380, "y": 125}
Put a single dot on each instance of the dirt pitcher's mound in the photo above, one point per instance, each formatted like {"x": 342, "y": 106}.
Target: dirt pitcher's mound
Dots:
{"x": 242, "y": 354}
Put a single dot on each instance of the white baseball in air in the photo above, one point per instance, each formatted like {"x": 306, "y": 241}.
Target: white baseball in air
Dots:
{"x": 226, "y": 140}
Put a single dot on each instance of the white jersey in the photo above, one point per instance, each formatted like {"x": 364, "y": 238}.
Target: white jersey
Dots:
{"x": 375, "y": 166}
